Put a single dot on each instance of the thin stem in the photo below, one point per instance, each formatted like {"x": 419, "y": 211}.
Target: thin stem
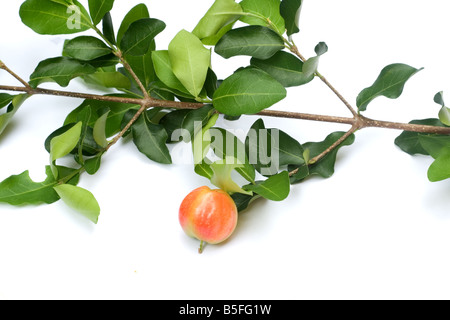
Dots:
{"x": 127, "y": 67}
{"x": 4, "y": 67}
{"x": 127, "y": 127}
{"x": 295, "y": 50}
{"x": 319, "y": 157}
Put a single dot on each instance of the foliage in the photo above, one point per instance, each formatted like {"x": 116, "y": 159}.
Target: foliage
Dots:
{"x": 169, "y": 95}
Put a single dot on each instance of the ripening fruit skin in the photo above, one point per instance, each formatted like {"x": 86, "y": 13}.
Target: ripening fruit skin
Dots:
{"x": 208, "y": 215}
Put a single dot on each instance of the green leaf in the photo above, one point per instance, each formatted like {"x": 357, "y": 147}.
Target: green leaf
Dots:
{"x": 150, "y": 139}
{"x": 136, "y": 13}
{"x": 434, "y": 144}
{"x": 255, "y": 41}
{"x": 290, "y": 11}
{"x": 174, "y": 121}
{"x": 275, "y": 188}
{"x": 242, "y": 201}
{"x": 86, "y": 48}
{"x": 80, "y": 200}
{"x": 99, "y": 130}
{"x": 108, "y": 28}
{"x": 5, "y": 99}
{"x": 20, "y": 189}
{"x": 164, "y": 71}
{"x": 190, "y": 61}
{"x": 15, "y": 104}
{"x": 140, "y": 36}
{"x": 204, "y": 170}
{"x": 143, "y": 66}
{"x": 390, "y": 83}
{"x": 115, "y": 116}
{"x": 444, "y": 113}
{"x": 264, "y": 10}
{"x": 108, "y": 80}
{"x": 54, "y": 17}
{"x": 98, "y": 9}
{"x": 177, "y": 121}
{"x": 440, "y": 168}
{"x": 285, "y": 68}
{"x": 202, "y": 139}
{"x": 222, "y": 13}
{"x": 325, "y": 167}
{"x": 409, "y": 141}
{"x": 248, "y": 91}
{"x": 92, "y": 165}
{"x": 60, "y": 70}
{"x": 227, "y": 145}
{"x": 212, "y": 41}
{"x": 270, "y": 149}
{"x": 62, "y": 145}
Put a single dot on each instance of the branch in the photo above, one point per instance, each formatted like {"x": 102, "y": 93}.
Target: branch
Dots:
{"x": 151, "y": 103}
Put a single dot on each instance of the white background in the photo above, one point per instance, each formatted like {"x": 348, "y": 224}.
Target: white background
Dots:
{"x": 376, "y": 230}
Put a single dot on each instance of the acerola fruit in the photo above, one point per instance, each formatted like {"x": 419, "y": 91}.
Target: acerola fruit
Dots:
{"x": 208, "y": 215}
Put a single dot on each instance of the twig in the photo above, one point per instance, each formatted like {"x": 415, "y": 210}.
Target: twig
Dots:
{"x": 295, "y": 51}
{"x": 4, "y": 67}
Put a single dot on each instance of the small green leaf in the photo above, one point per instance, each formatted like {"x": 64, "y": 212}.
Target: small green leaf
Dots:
{"x": 108, "y": 80}
{"x": 115, "y": 116}
{"x": 143, "y": 66}
{"x": 108, "y": 28}
{"x": 140, "y": 36}
{"x": 409, "y": 141}
{"x": 248, "y": 91}
{"x": 14, "y": 105}
{"x": 444, "y": 113}
{"x": 60, "y": 70}
{"x": 92, "y": 165}
{"x": 270, "y": 149}
{"x": 202, "y": 139}
{"x": 174, "y": 121}
{"x": 55, "y": 17}
{"x": 227, "y": 145}
{"x": 136, "y": 13}
{"x": 80, "y": 200}
{"x": 221, "y": 14}
{"x": 255, "y": 41}
{"x": 99, "y": 130}
{"x": 263, "y": 11}
{"x": 434, "y": 144}
{"x": 204, "y": 170}
{"x": 390, "y": 83}
{"x": 62, "y": 145}
{"x": 275, "y": 188}
{"x": 285, "y": 68}
{"x": 150, "y": 139}
{"x": 20, "y": 189}
{"x": 190, "y": 61}
{"x": 86, "y": 48}
{"x": 325, "y": 167}
{"x": 242, "y": 201}
{"x": 164, "y": 71}
{"x": 290, "y": 11}
{"x": 440, "y": 168}
{"x": 98, "y": 9}
{"x": 5, "y": 99}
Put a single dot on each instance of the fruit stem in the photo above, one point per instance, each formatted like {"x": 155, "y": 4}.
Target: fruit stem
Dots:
{"x": 202, "y": 245}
